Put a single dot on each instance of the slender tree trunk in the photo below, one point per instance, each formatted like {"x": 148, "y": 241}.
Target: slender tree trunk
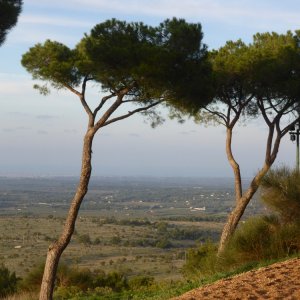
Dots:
{"x": 234, "y": 165}
{"x": 239, "y": 209}
{"x": 57, "y": 248}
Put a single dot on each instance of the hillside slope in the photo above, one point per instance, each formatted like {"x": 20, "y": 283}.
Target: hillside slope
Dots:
{"x": 278, "y": 281}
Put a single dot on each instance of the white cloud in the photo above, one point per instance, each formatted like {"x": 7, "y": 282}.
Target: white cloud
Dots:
{"x": 53, "y": 21}
{"x": 33, "y": 34}
{"x": 231, "y": 11}
{"x": 75, "y": 17}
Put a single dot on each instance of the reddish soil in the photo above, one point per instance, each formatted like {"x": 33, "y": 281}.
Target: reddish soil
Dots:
{"x": 280, "y": 281}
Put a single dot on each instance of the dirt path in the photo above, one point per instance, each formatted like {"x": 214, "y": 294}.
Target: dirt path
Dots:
{"x": 280, "y": 281}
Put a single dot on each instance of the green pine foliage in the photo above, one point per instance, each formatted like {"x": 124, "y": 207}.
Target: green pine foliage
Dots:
{"x": 167, "y": 62}
{"x": 9, "y": 12}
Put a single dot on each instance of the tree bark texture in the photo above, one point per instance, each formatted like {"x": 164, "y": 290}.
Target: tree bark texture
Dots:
{"x": 239, "y": 209}
{"x": 57, "y": 248}
{"x": 234, "y": 165}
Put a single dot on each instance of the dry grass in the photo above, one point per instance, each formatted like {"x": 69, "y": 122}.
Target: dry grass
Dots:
{"x": 30, "y": 235}
{"x": 23, "y": 296}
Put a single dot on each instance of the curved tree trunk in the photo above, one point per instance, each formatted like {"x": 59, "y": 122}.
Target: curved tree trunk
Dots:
{"x": 234, "y": 165}
{"x": 57, "y": 248}
{"x": 239, "y": 209}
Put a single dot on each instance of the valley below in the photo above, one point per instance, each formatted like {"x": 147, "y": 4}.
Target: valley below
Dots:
{"x": 137, "y": 226}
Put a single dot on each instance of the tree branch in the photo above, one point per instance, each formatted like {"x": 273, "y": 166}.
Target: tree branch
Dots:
{"x": 82, "y": 98}
{"x": 72, "y": 90}
{"x": 216, "y": 113}
{"x": 109, "y": 112}
{"x": 130, "y": 101}
{"x": 130, "y": 113}
{"x": 103, "y": 100}
{"x": 263, "y": 111}
{"x": 288, "y": 111}
{"x": 120, "y": 95}
{"x": 240, "y": 109}
{"x": 273, "y": 106}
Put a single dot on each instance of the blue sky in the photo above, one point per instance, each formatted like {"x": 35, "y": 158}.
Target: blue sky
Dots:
{"x": 42, "y": 135}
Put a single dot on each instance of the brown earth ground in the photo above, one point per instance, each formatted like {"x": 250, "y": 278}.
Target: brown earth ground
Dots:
{"x": 280, "y": 281}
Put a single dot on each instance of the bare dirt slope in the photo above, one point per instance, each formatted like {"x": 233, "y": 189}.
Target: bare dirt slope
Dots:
{"x": 280, "y": 281}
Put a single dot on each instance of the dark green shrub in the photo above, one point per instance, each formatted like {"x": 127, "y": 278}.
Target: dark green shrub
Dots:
{"x": 64, "y": 293}
{"x": 140, "y": 282}
{"x": 162, "y": 227}
{"x": 116, "y": 281}
{"x": 281, "y": 192}
{"x": 252, "y": 239}
{"x": 289, "y": 238}
{"x": 97, "y": 241}
{"x": 201, "y": 261}
{"x": 65, "y": 276}
{"x": 115, "y": 240}
{"x": 83, "y": 278}
{"x": 163, "y": 243}
{"x": 84, "y": 239}
{"x": 8, "y": 282}
{"x": 33, "y": 279}
{"x": 263, "y": 238}
{"x": 259, "y": 238}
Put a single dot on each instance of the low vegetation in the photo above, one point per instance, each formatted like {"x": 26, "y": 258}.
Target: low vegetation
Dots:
{"x": 154, "y": 250}
{"x": 258, "y": 239}
{"x": 8, "y": 282}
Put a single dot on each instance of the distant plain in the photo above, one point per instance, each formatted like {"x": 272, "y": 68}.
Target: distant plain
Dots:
{"x": 139, "y": 226}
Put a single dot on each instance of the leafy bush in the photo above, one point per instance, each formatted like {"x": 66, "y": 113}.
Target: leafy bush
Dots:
{"x": 139, "y": 282}
{"x": 84, "y": 239}
{"x": 8, "y": 282}
{"x": 281, "y": 192}
{"x": 163, "y": 243}
{"x": 33, "y": 279}
{"x": 115, "y": 240}
{"x": 83, "y": 278}
{"x": 201, "y": 261}
{"x": 252, "y": 239}
{"x": 72, "y": 282}
{"x": 70, "y": 292}
{"x": 263, "y": 238}
{"x": 288, "y": 240}
{"x": 258, "y": 239}
{"x": 161, "y": 227}
{"x": 115, "y": 280}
